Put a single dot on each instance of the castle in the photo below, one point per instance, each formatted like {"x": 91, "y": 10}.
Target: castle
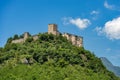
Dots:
{"x": 52, "y": 29}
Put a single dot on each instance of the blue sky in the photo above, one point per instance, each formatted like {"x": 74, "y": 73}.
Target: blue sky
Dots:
{"x": 98, "y": 21}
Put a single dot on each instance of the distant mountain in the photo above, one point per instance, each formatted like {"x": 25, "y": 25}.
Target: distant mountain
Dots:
{"x": 110, "y": 66}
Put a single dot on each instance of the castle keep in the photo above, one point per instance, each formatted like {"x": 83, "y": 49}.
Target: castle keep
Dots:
{"x": 52, "y": 29}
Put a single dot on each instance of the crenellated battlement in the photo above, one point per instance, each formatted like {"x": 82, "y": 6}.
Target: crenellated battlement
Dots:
{"x": 52, "y": 29}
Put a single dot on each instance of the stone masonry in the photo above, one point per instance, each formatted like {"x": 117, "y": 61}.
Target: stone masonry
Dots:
{"x": 21, "y": 40}
{"x": 76, "y": 40}
{"x": 52, "y": 29}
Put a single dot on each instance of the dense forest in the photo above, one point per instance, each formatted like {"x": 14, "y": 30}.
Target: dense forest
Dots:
{"x": 50, "y": 58}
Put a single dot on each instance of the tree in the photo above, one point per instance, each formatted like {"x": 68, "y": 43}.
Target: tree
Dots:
{"x": 9, "y": 40}
{"x": 30, "y": 39}
{"x": 15, "y": 37}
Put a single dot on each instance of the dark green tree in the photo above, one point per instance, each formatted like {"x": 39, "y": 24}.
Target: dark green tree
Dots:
{"x": 15, "y": 37}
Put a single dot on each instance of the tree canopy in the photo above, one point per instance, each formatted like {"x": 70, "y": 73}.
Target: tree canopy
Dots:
{"x": 50, "y": 58}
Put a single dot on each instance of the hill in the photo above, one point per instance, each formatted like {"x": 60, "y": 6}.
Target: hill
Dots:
{"x": 50, "y": 57}
{"x": 110, "y": 66}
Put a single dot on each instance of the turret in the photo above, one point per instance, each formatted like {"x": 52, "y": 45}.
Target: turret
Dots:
{"x": 52, "y": 29}
{"x": 26, "y": 35}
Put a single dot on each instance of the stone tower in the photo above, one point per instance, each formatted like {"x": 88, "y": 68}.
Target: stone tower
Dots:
{"x": 26, "y": 35}
{"x": 52, "y": 28}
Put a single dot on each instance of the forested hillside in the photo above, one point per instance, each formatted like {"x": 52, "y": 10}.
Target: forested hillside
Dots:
{"x": 50, "y": 58}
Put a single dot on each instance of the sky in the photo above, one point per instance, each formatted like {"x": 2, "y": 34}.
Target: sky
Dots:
{"x": 97, "y": 21}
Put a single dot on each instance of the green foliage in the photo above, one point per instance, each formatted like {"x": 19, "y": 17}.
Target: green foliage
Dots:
{"x": 15, "y": 37}
{"x": 9, "y": 40}
{"x": 22, "y": 36}
{"x": 30, "y": 39}
{"x": 50, "y": 58}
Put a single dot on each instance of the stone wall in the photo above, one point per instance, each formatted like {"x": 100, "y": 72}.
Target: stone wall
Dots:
{"x": 76, "y": 40}
{"x": 21, "y": 40}
{"x": 52, "y": 29}
{"x": 35, "y": 37}
{"x": 18, "y": 40}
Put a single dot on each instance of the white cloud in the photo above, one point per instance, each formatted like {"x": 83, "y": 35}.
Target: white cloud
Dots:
{"x": 80, "y": 23}
{"x": 65, "y": 21}
{"x": 94, "y": 12}
{"x": 111, "y": 7}
{"x": 99, "y": 30}
{"x": 111, "y": 29}
{"x": 108, "y": 6}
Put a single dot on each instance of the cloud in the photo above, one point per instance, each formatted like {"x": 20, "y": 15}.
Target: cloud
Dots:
{"x": 111, "y": 7}
{"x": 108, "y": 6}
{"x": 65, "y": 20}
{"x": 99, "y": 30}
{"x": 111, "y": 29}
{"x": 94, "y": 12}
{"x": 80, "y": 23}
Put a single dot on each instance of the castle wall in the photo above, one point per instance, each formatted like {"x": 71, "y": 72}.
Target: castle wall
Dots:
{"x": 26, "y": 35}
{"x": 68, "y": 36}
{"x": 35, "y": 37}
{"x": 18, "y": 40}
{"x": 76, "y": 40}
{"x": 80, "y": 42}
{"x": 73, "y": 39}
{"x": 52, "y": 29}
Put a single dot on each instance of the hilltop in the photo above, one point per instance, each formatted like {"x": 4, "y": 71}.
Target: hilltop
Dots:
{"x": 50, "y": 57}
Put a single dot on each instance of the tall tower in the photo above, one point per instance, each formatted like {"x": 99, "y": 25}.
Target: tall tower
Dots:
{"x": 26, "y": 35}
{"x": 52, "y": 28}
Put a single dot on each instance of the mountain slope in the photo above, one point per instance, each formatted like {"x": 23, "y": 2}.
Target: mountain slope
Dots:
{"x": 110, "y": 66}
{"x": 50, "y": 58}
